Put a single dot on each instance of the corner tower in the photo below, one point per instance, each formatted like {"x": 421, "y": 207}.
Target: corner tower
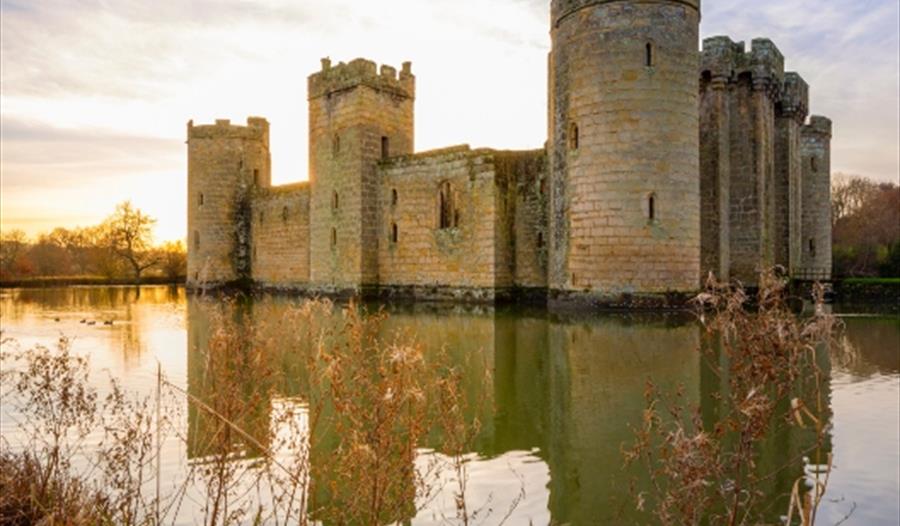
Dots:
{"x": 225, "y": 162}
{"x": 624, "y": 148}
{"x": 358, "y": 115}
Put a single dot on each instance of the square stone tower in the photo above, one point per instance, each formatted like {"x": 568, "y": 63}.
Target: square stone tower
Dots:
{"x": 358, "y": 116}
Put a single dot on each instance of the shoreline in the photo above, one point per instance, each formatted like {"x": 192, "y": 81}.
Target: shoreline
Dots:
{"x": 50, "y": 282}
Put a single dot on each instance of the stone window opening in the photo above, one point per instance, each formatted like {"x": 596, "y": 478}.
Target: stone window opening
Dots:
{"x": 543, "y": 186}
{"x": 395, "y": 233}
{"x": 256, "y": 176}
{"x": 448, "y": 213}
{"x": 262, "y": 217}
{"x": 814, "y": 164}
{"x": 333, "y": 237}
{"x": 812, "y": 247}
{"x": 651, "y": 208}
{"x": 540, "y": 240}
{"x": 394, "y": 197}
{"x": 648, "y": 58}
{"x": 335, "y": 145}
{"x": 385, "y": 147}
{"x": 196, "y": 239}
{"x": 573, "y": 136}
{"x": 284, "y": 214}
{"x": 200, "y": 199}
{"x": 335, "y": 201}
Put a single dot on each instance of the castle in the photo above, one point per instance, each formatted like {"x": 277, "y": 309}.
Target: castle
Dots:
{"x": 663, "y": 164}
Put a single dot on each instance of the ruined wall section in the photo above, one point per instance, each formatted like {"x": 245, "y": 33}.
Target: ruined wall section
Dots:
{"x": 279, "y": 236}
{"x": 624, "y": 150}
{"x": 522, "y": 236}
{"x": 357, "y": 115}
{"x": 225, "y": 162}
{"x": 791, "y": 112}
{"x": 815, "y": 259}
{"x": 425, "y": 260}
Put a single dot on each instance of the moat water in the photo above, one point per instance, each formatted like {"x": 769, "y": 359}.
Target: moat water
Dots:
{"x": 565, "y": 392}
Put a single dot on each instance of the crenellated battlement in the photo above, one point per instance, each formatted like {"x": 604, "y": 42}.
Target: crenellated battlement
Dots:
{"x": 560, "y": 9}
{"x": 722, "y": 57}
{"x": 794, "y": 101}
{"x": 257, "y": 128}
{"x": 362, "y": 72}
{"x": 818, "y": 125}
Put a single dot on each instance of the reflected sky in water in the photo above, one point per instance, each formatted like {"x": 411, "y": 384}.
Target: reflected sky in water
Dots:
{"x": 564, "y": 390}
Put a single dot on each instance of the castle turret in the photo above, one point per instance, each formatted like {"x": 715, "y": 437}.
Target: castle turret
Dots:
{"x": 815, "y": 258}
{"x": 358, "y": 115}
{"x": 224, "y": 162}
{"x": 791, "y": 112}
{"x": 625, "y": 213}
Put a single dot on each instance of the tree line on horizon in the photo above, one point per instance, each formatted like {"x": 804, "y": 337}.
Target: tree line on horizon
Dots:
{"x": 865, "y": 221}
{"x": 120, "y": 247}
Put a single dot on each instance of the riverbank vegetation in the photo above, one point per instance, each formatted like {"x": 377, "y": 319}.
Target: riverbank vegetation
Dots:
{"x": 118, "y": 249}
{"x": 866, "y": 228}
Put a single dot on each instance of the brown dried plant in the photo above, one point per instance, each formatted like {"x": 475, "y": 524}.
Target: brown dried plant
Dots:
{"x": 767, "y": 357}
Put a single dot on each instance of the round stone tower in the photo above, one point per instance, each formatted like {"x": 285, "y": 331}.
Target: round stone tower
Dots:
{"x": 624, "y": 149}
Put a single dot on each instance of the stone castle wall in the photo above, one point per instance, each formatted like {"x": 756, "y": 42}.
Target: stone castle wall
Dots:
{"x": 625, "y": 213}
{"x": 654, "y": 175}
{"x": 279, "y": 233}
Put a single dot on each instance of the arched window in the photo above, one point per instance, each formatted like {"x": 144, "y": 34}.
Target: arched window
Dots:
{"x": 333, "y": 237}
{"x": 448, "y": 214}
{"x": 395, "y": 233}
{"x": 573, "y": 136}
{"x": 335, "y": 201}
{"x": 394, "y": 197}
{"x": 649, "y": 55}
{"x": 196, "y": 239}
{"x": 284, "y": 213}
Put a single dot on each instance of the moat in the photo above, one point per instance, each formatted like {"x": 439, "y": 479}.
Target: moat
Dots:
{"x": 564, "y": 389}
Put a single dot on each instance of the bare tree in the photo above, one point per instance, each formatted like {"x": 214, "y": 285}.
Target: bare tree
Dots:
{"x": 12, "y": 244}
{"x": 128, "y": 233}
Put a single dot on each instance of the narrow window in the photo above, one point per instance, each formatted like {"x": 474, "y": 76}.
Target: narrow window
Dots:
{"x": 254, "y": 252}
{"x": 814, "y": 164}
{"x": 540, "y": 240}
{"x": 812, "y": 247}
{"x": 395, "y": 233}
{"x": 200, "y": 199}
{"x": 335, "y": 145}
{"x": 385, "y": 147}
{"x": 649, "y": 55}
{"x": 394, "y": 197}
{"x": 262, "y": 217}
{"x": 573, "y": 136}
{"x": 651, "y": 208}
{"x": 448, "y": 217}
{"x": 543, "y": 186}
{"x": 335, "y": 201}
{"x": 333, "y": 237}
{"x": 196, "y": 239}
{"x": 284, "y": 214}
{"x": 255, "y": 177}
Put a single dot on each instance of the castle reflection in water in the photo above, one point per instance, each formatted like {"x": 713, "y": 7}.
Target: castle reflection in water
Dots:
{"x": 565, "y": 389}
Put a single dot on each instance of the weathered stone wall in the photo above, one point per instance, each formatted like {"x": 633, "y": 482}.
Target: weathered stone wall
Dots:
{"x": 426, "y": 257}
{"x": 815, "y": 260}
{"x": 745, "y": 86}
{"x": 625, "y": 140}
{"x": 353, "y": 109}
{"x": 791, "y": 113}
{"x": 279, "y": 236}
{"x": 224, "y": 162}
{"x": 522, "y": 231}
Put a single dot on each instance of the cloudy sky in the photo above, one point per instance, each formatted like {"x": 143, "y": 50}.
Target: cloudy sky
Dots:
{"x": 96, "y": 93}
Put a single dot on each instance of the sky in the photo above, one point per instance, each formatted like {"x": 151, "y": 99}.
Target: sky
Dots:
{"x": 95, "y": 94}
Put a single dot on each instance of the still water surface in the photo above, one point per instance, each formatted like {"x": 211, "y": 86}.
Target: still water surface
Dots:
{"x": 565, "y": 390}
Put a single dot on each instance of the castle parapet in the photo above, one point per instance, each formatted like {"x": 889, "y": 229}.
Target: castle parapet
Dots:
{"x": 257, "y": 128}
{"x": 560, "y": 9}
{"x": 794, "y": 97}
{"x": 363, "y": 72}
{"x": 722, "y": 58}
{"x": 818, "y": 125}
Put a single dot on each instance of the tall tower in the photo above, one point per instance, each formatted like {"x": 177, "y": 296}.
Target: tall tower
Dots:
{"x": 224, "y": 162}
{"x": 358, "y": 115}
{"x": 624, "y": 148}
{"x": 815, "y": 252}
